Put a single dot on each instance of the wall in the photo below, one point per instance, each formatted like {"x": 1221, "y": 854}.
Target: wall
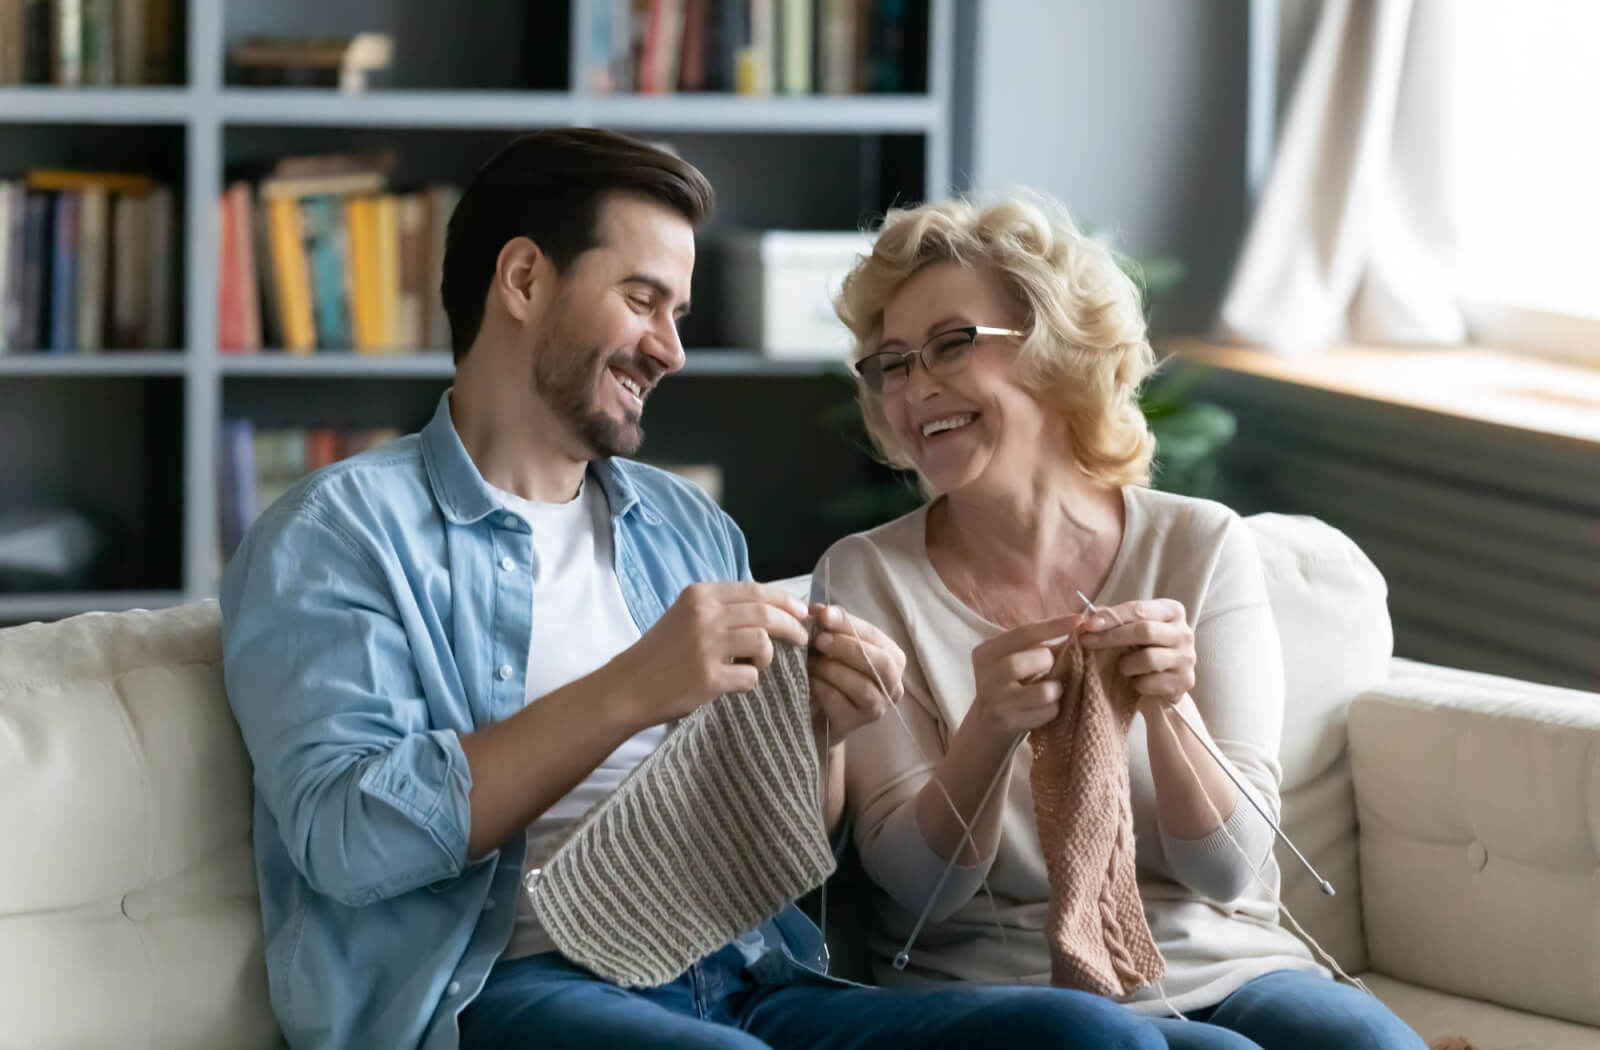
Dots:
{"x": 1133, "y": 113}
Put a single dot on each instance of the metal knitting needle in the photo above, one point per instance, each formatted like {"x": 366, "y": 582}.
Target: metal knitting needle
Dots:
{"x": 1322, "y": 883}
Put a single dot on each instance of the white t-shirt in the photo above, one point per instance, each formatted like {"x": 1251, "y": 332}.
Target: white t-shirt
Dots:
{"x": 580, "y": 622}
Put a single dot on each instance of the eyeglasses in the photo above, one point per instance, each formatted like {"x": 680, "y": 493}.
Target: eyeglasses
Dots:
{"x": 943, "y": 354}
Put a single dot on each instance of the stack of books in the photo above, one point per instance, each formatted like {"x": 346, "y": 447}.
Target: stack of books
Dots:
{"x": 321, "y": 257}
{"x": 752, "y": 47}
{"x": 86, "y": 263}
{"x": 87, "y": 42}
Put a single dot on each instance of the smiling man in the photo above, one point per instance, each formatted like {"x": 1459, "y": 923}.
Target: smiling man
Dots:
{"x": 442, "y": 653}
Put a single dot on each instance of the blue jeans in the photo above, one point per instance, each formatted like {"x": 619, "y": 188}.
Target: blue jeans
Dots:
{"x": 544, "y": 1001}
{"x": 1290, "y": 1010}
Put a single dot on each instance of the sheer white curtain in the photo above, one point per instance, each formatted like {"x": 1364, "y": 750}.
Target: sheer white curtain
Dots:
{"x": 1437, "y": 180}
{"x": 1354, "y": 237}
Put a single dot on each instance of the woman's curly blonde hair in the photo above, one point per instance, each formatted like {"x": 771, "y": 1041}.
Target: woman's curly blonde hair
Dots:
{"x": 1084, "y": 351}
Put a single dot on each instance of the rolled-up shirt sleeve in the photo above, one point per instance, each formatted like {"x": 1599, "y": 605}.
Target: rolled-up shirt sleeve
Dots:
{"x": 370, "y": 799}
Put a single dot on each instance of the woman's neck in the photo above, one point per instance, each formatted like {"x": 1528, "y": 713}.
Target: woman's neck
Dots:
{"x": 1018, "y": 553}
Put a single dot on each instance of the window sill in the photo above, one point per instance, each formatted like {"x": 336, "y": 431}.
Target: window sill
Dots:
{"x": 1493, "y": 387}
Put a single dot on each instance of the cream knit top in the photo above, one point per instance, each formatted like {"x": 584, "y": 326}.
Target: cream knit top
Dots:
{"x": 1216, "y": 927}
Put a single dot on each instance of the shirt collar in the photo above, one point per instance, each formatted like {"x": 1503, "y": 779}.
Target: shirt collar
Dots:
{"x": 466, "y": 498}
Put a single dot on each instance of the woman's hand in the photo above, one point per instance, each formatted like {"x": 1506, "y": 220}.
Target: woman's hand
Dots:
{"x": 1013, "y": 696}
{"x": 855, "y": 670}
{"x": 1160, "y": 663}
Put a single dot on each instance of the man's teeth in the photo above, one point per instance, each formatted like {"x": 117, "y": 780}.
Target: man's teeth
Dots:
{"x": 947, "y": 423}
{"x": 629, "y": 385}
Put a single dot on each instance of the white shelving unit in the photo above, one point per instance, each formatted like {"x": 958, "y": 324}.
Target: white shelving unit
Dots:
{"x": 206, "y": 109}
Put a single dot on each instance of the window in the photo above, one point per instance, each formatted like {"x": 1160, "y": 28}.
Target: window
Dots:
{"x": 1529, "y": 174}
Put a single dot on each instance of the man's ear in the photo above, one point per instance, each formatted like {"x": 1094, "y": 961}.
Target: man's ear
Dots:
{"x": 517, "y": 272}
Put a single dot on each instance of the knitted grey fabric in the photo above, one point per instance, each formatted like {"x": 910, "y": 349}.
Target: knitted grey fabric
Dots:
{"x": 708, "y": 837}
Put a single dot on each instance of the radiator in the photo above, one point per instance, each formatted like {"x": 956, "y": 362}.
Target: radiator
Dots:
{"x": 1489, "y": 537}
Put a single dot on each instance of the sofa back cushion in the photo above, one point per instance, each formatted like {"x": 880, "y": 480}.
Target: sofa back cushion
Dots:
{"x": 1330, "y": 605}
{"x": 128, "y": 911}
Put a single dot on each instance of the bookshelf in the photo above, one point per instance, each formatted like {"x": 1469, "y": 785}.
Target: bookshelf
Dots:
{"x": 803, "y": 162}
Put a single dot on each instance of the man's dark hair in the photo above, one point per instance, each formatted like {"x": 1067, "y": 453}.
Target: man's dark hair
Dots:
{"x": 549, "y": 187}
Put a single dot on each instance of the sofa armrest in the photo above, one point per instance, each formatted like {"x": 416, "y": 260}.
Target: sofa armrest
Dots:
{"x": 1479, "y": 804}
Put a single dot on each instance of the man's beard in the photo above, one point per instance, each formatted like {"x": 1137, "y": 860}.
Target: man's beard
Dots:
{"x": 566, "y": 379}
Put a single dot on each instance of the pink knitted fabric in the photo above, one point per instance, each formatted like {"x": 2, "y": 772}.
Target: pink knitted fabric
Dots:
{"x": 1099, "y": 940}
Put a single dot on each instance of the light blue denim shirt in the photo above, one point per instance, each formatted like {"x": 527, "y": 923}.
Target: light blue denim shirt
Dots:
{"x": 376, "y": 611}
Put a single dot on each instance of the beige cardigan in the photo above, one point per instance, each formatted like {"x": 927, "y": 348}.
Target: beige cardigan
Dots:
{"x": 1215, "y": 925}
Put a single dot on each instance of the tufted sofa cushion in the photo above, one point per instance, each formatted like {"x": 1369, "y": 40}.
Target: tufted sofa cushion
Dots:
{"x": 128, "y": 912}
{"x": 1479, "y": 800}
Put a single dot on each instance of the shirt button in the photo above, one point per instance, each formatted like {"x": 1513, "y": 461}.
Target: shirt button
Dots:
{"x": 453, "y": 988}
{"x": 509, "y": 521}
{"x": 507, "y": 564}
{"x": 505, "y": 672}
{"x": 488, "y": 905}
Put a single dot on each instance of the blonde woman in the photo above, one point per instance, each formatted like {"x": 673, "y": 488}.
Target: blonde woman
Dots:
{"x": 999, "y": 354}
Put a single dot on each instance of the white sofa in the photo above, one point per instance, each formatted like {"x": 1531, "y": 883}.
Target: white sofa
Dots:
{"x": 1468, "y": 899}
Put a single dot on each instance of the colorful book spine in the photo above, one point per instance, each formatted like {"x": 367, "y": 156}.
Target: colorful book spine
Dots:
{"x": 291, "y": 277}
{"x": 324, "y": 248}
{"x": 64, "y": 275}
{"x": 387, "y": 253}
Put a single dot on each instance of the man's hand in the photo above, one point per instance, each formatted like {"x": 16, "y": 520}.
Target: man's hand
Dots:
{"x": 855, "y": 671}
{"x": 717, "y": 638}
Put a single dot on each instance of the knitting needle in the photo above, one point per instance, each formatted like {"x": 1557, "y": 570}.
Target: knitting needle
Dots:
{"x": 903, "y": 957}
{"x": 1222, "y": 764}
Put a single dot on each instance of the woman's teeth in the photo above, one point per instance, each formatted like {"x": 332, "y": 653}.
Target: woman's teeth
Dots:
{"x": 946, "y": 423}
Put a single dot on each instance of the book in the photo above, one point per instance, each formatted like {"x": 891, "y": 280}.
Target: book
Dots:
{"x": 411, "y": 315}
{"x": 7, "y": 262}
{"x": 386, "y": 250}
{"x": 158, "y": 41}
{"x": 159, "y": 312}
{"x": 756, "y": 62}
{"x": 325, "y": 249}
{"x": 837, "y": 60}
{"x": 38, "y": 226}
{"x": 94, "y": 216}
{"x": 794, "y": 65}
{"x": 130, "y": 278}
{"x": 99, "y": 55}
{"x": 267, "y": 301}
{"x": 11, "y": 294}
{"x": 132, "y": 20}
{"x": 237, "y": 487}
{"x": 38, "y": 61}
{"x": 64, "y": 275}
{"x": 344, "y": 62}
{"x": 68, "y": 41}
{"x": 332, "y": 183}
{"x": 244, "y": 263}
{"x": 12, "y": 42}
{"x": 291, "y": 276}
{"x": 364, "y": 273}
{"x": 110, "y": 181}
{"x": 228, "y": 336}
